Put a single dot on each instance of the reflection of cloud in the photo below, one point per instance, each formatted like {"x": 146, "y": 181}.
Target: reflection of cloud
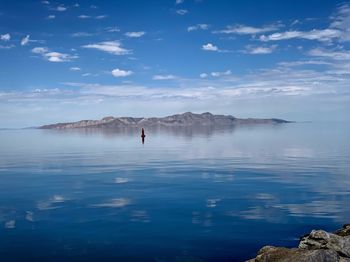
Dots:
{"x": 317, "y": 209}
{"x": 267, "y": 213}
{"x": 255, "y": 212}
{"x": 219, "y": 178}
{"x": 298, "y": 152}
{"x": 117, "y": 202}
{"x": 44, "y": 205}
{"x": 265, "y": 196}
{"x": 195, "y": 217}
{"x": 121, "y": 180}
{"x": 277, "y": 212}
{"x": 58, "y": 199}
{"x": 212, "y": 202}
{"x": 204, "y": 219}
{"x": 10, "y": 224}
{"x": 50, "y": 204}
{"x": 205, "y": 175}
{"x": 140, "y": 216}
{"x": 29, "y": 216}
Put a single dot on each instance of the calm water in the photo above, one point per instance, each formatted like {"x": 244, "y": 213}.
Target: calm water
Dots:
{"x": 185, "y": 195}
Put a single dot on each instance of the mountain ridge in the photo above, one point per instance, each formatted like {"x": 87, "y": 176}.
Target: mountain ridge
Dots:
{"x": 185, "y": 119}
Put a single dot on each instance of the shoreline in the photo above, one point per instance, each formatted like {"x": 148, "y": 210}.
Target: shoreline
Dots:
{"x": 317, "y": 246}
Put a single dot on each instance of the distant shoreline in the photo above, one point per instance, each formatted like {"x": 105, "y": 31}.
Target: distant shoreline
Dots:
{"x": 187, "y": 119}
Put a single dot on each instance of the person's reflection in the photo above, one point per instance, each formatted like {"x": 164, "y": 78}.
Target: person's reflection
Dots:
{"x": 143, "y": 136}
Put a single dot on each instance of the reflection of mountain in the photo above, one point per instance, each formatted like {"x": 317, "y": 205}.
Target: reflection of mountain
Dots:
{"x": 184, "y": 131}
{"x": 181, "y": 120}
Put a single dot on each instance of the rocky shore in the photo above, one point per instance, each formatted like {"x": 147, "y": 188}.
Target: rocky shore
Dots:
{"x": 318, "y": 246}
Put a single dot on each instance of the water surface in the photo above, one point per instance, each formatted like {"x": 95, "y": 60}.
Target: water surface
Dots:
{"x": 184, "y": 195}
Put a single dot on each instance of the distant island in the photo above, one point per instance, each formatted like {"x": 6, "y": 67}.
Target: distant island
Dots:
{"x": 187, "y": 119}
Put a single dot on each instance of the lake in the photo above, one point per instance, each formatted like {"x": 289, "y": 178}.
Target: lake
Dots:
{"x": 184, "y": 195}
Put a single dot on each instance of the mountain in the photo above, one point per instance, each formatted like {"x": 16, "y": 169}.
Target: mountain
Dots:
{"x": 180, "y": 120}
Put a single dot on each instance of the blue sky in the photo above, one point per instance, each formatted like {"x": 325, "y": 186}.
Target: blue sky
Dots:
{"x": 72, "y": 60}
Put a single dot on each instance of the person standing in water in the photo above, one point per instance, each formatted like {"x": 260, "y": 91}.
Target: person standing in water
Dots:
{"x": 143, "y": 135}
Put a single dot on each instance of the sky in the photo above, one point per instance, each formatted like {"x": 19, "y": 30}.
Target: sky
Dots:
{"x": 71, "y": 60}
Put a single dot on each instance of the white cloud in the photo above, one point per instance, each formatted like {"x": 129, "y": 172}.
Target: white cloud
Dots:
{"x": 203, "y": 75}
{"x": 58, "y": 57}
{"x": 51, "y": 17}
{"x": 210, "y": 47}
{"x": 331, "y": 54}
{"x": 181, "y": 11}
{"x": 163, "y": 77}
{"x": 261, "y": 84}
{"x": 324, "y": 35}
{"x": 86, "y": 74}
{"x": 274, "y": 89}
{"x": 295, "y": 22}
{"x": 339, "y": 29}
{"x": 248, "y": 30}
{"x": 112, "y": 47}
{"x": 260, "y": 50}
{"x": 177, "y": 2}
{"x": 84, "y": 16}
{"x": 135, "y": 34}
{"x": 92, "y": 17}
{"x": 341, "y": 21}
{"x": 121, "y": 73}
{"x": 5, "y": 37}
{"x": 101, "y": 16}
{"x": 45, "y": 2}
{"x": 93, "y": 6}
{"x": 197, "y": 27}
{"x": 61, "y": 8}
{"x": 303, "y": 62}
{"x": 218, "y": 74}
{"x": 223, "y": 86}
{"x": 53, "y": 56}
{"x": 25, "y": 40}
{"x": 40, "y": 50}
{"x": 6, "y": 46}
{"x": 75, "y": 68}
{"x": 81, "y": 34}
{"x": 112, "y": 29}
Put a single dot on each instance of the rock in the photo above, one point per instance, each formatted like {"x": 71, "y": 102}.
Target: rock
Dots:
{"x": 345, "y": 231}
{"x": 282, "y": 254}
{"x": 318, "y": 246}
{"x": 319, "y": 239}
